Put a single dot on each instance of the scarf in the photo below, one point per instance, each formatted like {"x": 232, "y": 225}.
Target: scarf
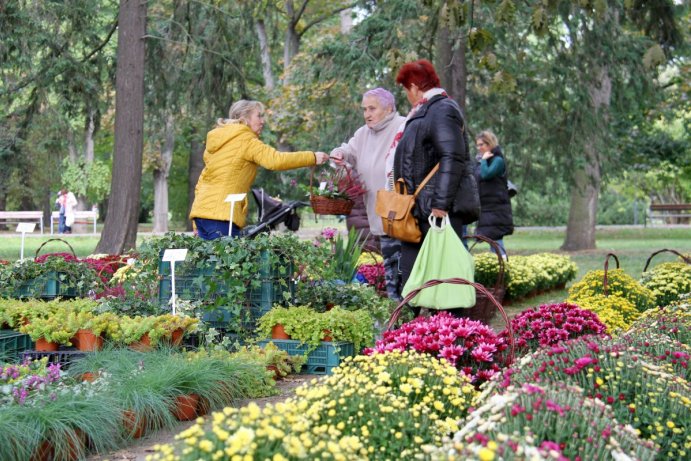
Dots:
{"x": 390, "y": 155}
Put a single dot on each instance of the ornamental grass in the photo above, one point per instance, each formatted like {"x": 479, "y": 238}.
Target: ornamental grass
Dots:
{"x": 385, "y": 406}
{"x": 642, "y": 392}
{"x": 549, "y": 324}
{"x": 552, "y": 421}
{"x": 471, "y": 346}
{"x": 619, "y": 283}
{"x": 668, "y": 282}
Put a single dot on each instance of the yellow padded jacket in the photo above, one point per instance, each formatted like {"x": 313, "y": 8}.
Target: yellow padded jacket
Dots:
{"x": 233, "y": 153}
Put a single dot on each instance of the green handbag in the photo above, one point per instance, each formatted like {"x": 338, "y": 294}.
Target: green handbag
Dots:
{"x": 442, "y": 256}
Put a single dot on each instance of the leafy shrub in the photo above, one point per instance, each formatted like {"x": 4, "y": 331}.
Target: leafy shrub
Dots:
{"x": 673, "y": 320}
{"x": 619, "y": 283}
{"x": 668, "y": 281}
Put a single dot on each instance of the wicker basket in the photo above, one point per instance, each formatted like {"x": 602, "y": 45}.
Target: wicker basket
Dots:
{"x": 480, "y": 290}
{"x": 328, "y": 206}
{"x": 484, "y": 310}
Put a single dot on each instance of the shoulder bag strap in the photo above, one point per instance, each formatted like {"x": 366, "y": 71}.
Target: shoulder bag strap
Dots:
{"x": 426, "y": 180}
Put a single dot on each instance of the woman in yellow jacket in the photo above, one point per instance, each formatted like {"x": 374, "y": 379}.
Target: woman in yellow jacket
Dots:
{"x": 233, "y": 153}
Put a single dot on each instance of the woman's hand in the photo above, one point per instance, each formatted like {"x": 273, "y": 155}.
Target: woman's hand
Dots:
{"x": 337, "y": 157}
{"x": 437, "y": 213}
{"x": 487, "y": 155}
{"x": 321, "y": 157}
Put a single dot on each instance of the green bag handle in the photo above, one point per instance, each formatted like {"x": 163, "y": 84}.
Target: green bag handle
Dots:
{"x": 458, "y": 281}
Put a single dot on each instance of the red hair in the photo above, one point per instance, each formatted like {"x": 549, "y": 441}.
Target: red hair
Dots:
{"x": 421, "y": 73}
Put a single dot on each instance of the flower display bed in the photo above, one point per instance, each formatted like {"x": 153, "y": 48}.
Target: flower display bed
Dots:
{"x": 12, "y": 344}
{"x": 320, "y": 361}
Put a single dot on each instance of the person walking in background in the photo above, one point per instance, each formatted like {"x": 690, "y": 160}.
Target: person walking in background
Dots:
{"x": 366, "y": 153}
{"x": 496, "y": 217}
{"x": 231, "y": 158}
{"x": 433, "y": 134}
{"x": 67, "y": 204}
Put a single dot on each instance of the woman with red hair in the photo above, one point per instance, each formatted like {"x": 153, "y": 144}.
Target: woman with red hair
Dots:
{"x": 433, "y": 134}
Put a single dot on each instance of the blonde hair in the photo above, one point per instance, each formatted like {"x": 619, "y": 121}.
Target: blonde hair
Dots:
{"x": 240, "y": 112}
{"x": 489, "y": 138}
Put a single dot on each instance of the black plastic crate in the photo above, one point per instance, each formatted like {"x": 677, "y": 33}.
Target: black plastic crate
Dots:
{"x": 12, "y": 344}
{"x": 64, "y": 358}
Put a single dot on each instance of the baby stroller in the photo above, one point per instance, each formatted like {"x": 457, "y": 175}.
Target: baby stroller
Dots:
{"x": 272, "y": 212}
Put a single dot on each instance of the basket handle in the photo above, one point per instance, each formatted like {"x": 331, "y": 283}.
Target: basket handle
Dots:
{"x": 604, "y": 282}
{"x": 684, "y": 258}
{"x": 344, "y": 167}
{"x": 458, "y": 281}
{"x": 52, "y": 240}
{"x": 108, "y": 264}
{"x": 495, "y": 246}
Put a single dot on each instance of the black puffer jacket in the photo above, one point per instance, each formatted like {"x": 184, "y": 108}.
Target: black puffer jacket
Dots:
{"x": 435, "y": 134}
{"x": 496, "y": 217}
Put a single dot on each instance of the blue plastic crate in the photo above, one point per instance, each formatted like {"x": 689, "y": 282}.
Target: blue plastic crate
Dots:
{"x": 320, "y": 361}
{"x": 12, "y": 344}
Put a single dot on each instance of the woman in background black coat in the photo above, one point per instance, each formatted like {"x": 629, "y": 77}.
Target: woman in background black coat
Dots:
{"x": 496, "y": 217}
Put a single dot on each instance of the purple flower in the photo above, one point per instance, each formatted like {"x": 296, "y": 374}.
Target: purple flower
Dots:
{"x": 329, "y": 233}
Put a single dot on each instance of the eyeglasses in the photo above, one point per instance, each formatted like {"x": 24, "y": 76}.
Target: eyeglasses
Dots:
{"x": 480, "y": 144}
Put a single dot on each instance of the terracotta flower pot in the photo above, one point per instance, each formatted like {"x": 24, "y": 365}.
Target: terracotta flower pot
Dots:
{"x": 88, "y": 376}
{"x": 276, "y": 374}
{"x": 185, "y": 407}
{"x": 76, "y": 445}
{"x": 176, "y": 337}
{"x": 143, "y": 345}
{"x": 46, "y": 346}
{"x": 327, "y": 336}
{"x": 44, "y": 452}
{"x": 203, "y": 407}
{"x": 134, "y": 426}
{"x": 278, "y": 332}
{"x": 85, "y": 340}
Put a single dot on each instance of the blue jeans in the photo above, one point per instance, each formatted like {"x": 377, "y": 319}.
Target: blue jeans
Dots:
{"x": 210, "y": 229}
{"x": 61, "y": 224}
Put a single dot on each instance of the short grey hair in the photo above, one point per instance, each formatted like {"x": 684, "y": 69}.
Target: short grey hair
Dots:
{"x": 384, "y": 97}
{"x": 241, "y": 111}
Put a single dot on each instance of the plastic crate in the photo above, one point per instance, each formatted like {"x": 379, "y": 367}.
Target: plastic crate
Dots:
{"x": 43, "y": 287}
{"x": 320, "y": 361}
{"x": 64, "y": 358}
{"x": 12, "y": 344}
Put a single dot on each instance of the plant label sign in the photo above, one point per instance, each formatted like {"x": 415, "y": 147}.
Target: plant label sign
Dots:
{"x": 26, "y": 227}
{"x": 232, "y": 198}
{"x": 175, "y": 254}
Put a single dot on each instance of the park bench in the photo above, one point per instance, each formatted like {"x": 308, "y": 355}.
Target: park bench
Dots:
{"x": 80, "y": 217}
{"x": 22, "y": 216}
{"x": 668, "y": 210}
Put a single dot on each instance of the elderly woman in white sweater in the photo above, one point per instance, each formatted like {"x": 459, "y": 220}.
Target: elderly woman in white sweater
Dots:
{"x": 366, "y": 153}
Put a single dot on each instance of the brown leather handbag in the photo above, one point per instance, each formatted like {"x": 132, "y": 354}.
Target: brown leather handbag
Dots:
{"x": 395, "y": 208}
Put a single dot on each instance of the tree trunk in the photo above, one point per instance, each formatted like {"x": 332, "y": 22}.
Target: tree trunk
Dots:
{"x": 292, "y": 39}
{"x": 451, "y": 62}
{"x": 120, "y": 227}
{"x": 161, "y": 178}
{"x": 580, "y": 230}
{"x": 194, "y": 168}
{"x": 260, "y": 27}
{"x": 89, "y": 130}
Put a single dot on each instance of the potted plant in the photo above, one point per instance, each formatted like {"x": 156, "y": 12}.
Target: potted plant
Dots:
{"x": 134, "y": 331}
{"x": 171, "y": 328}
{"x": 50, "y": 332}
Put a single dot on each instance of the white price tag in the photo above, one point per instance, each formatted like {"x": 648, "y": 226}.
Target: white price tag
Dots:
{"x": 322, "y": 185}
{"x": 175, "y": 254}
{"x": 235, "y": 197}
